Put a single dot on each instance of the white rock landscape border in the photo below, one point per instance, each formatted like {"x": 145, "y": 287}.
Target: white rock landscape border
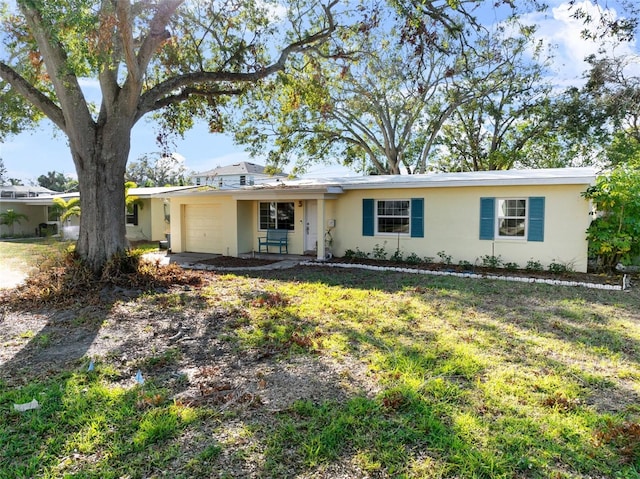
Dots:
{"x": 520, "y": 279}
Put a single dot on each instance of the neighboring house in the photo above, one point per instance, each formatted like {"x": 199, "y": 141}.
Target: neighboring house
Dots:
{"x": 33, "y": 201}
{"x": 146, "y": 220}
{"x": 518, "y": 215}
{"x": 149, "y": 218}
{"x": 235, "y": 176}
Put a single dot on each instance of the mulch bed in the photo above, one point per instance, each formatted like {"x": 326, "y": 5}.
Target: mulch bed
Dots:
{"x": 232, "y": 262}
{"x": 596, "y": 278}
{"x": 602, "y": 278}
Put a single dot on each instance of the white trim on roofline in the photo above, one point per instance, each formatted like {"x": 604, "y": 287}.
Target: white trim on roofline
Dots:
{"x": 548, "y": 176}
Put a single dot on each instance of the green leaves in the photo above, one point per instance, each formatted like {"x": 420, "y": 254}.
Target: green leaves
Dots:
{"x": 614, "y": 236}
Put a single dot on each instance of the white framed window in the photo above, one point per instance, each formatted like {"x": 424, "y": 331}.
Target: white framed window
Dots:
{"x": 511, "y": 216}
{"x": 277, "y": 215}
{"x": 393, "y": 217}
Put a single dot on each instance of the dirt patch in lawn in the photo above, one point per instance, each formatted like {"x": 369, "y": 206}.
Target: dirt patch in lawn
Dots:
{"x": 176, "y": 338}
{"x": 186, "y": 346}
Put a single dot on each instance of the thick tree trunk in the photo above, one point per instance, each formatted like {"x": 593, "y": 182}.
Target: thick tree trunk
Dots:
{"x": 101, "y": 172}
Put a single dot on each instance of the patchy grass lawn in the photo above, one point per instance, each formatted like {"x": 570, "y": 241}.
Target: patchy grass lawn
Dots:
{"x": 19, "y": 257}
{"x": 320, "y": 373}
{"x": 23, "y": 255}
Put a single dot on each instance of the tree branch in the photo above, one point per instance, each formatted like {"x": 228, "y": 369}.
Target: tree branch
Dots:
{"x": 157, "y": 32}
{"x": 151, "y": 98}
{"x": 33, "y": 95}
{"x": 125, "y": 25}
{"x": 187, "y": 92}
{"x": 72, "y": 101}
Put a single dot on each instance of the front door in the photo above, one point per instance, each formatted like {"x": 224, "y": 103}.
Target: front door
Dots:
{"x": 311, "y": 225}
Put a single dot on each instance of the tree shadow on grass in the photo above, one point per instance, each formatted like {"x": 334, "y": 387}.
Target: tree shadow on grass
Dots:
{"x": 427, "y": 421}
{"x": 56, "y": 346}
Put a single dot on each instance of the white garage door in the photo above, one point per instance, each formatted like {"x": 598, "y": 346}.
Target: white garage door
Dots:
{"x": 203, "y": 224}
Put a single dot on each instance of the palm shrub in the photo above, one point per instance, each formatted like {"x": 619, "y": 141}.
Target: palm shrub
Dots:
{"x": 66, "y": 208}
{"x": 11, "y": 218}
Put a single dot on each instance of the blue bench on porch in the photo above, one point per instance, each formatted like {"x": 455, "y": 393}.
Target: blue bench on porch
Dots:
{"x": 274, "y": 238}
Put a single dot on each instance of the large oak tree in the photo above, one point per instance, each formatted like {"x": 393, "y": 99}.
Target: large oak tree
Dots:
{"x": 406, "y": 68}
{"x": 181, "y": 59}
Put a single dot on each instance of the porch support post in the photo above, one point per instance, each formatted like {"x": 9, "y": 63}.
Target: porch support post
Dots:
{"x": 321, "y": 229}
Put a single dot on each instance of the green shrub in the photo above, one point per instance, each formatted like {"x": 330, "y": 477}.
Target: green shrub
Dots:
{"x": 357, "y": 254}
{"x": 533, "y": 265}
{"x": 444, "y": 257}
{"x": 397, "y": 256}
{"x": 558, "y": 268}
{"x": 379, "y": 252}
{"x": 614, "y": 236}
{"x": 491, "y": 261}
{"x": 413, "y": 259}
{"x": 465, "y": 264}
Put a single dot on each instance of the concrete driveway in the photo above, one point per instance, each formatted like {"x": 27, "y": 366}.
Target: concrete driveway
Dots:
{"x": 10, "y": 276}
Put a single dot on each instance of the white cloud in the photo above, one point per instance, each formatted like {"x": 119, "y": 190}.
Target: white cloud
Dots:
{"x": 559, "y": 29}
{"x": 276, "y": 12}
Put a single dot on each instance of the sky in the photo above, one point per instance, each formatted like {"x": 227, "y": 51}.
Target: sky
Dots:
{"x": 34, "y": 153}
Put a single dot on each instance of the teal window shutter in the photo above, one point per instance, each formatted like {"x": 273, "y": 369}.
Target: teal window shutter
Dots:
{"x": 417, "y": 217}
{"x": 536, "y": 218}
{"x": 368, "y": 217}
{"x": 487, "y": 218}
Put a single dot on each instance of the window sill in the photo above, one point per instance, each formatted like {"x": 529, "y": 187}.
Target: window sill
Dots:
{"x": 393, "y": 235}
{"x": 505, "y": 239}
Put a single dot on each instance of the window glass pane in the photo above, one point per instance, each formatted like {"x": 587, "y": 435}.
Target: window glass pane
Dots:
{"x": 277, "y": 216}
{"x": 393, "y": 216}
{"x": 393, "y": 225}
{"x": 53, "y": 214}
{"x": 267, "y": 216}
{"x": 512, "y": 215}
{"x": 285, "y": 216}
{"x": 511, "y": 227}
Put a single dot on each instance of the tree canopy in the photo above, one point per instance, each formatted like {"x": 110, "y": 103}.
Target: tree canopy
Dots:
{"x": 175, "y": 59}
{"x": 157, "y": 170}
{"x": 56, "y": 181}
{"x": 407, "y": 70}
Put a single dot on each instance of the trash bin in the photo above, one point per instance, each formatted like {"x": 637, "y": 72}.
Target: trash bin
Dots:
{"x": 166, "y": 244}
{"x": 47, "y": 229}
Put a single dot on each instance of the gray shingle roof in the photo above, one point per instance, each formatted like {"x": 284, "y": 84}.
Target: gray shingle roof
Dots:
{"x": 242, "y": 168}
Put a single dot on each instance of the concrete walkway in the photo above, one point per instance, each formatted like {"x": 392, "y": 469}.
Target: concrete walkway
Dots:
{"x": 284, "y": 264}
{"x": 194, "y": 261}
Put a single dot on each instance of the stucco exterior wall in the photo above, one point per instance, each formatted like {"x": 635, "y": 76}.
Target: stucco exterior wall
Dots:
{"x": 36, "y": 213}
{"x": 452, "y": 223}
{"x": 159, "y": 226}
{"x": 151, "y": 221}
{"x": 141, "y": 231}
